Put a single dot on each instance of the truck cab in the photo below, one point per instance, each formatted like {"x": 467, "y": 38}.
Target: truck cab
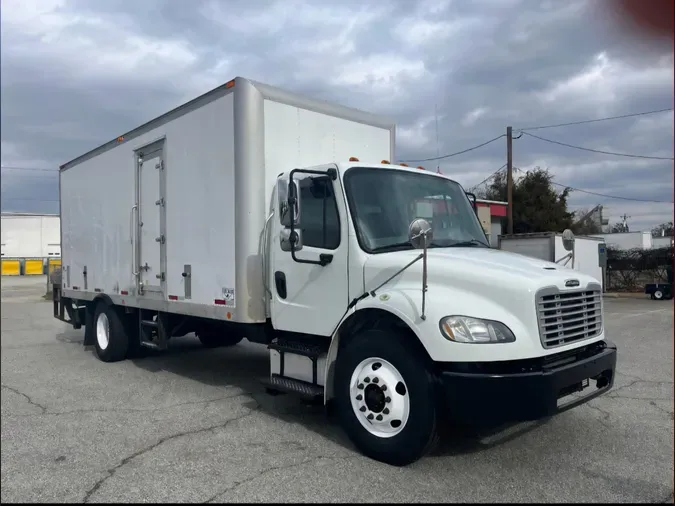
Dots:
{"x": 392, "y": 266}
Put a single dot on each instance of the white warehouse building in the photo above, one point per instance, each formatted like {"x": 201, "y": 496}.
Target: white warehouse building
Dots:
{"x": 28, "y": 237}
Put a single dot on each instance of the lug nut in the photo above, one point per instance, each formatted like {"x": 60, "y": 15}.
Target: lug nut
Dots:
{"x": 366, "y": 379}
{"x": 387, "y": 399}
{"x": 359, "y": 397}
{"x": 362, "y": 409}
{"x": 378, "y": 418}
{"x": 376, "y": 380}
{"x": 385, "y": 411}
{"x": 384, "y": 387}
{"x": 360, "y": 386}
{"x": 370, "y": 416}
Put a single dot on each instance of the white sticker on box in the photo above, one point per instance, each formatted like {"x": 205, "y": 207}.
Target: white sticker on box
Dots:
{"x": 228, "y": 297}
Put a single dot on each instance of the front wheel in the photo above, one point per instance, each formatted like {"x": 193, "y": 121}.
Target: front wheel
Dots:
{"x": 658, "y": 295}
{"x": 386, "y": 399}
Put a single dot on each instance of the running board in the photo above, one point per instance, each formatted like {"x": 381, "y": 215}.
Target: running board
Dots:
{"x": 152, "y": 333}
{"x": 280, "y": 384}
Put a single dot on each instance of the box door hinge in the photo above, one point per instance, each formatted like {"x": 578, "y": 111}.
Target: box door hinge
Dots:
{"x": 160, "y": 239}
{"x": 160, "y": 276}
{"x": 159, "y": 202}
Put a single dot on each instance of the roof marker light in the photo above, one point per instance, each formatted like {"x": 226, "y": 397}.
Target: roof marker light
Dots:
{"x": 420, "y": 167}
{"x": 386, "y": 162}
{"x": 403, "y": 164}
{"x": 353, "y": 159}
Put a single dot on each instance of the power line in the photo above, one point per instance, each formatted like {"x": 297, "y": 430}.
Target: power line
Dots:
{"x": 30, "y": 169}
{"x": 594, "y": 120}
{"x": 611, "y": 196}
{"x": 489, "y": 177}
{"x": 454, "y": 154}
{"x": 597, "y": 150}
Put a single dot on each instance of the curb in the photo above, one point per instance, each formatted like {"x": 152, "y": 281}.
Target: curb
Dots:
{"x": 624, "y": 295}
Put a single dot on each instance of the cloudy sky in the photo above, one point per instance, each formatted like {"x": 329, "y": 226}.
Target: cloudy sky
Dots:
{"x": 78, "y": 73}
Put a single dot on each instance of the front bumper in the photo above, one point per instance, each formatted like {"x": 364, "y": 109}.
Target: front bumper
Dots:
{"x": 527, "y": 389}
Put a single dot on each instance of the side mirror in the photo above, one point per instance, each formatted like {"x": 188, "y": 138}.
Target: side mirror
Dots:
{"x": 287, "y": 194}
{"x": 419, "y": 233}
{"x": 472, "y": 199}
{"x": 290, "y": 241}
{"x": 568, "y": 240}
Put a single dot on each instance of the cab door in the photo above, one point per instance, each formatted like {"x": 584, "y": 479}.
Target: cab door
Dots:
{"x": 309, "y": 278}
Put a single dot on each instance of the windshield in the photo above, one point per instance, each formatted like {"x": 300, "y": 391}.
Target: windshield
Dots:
{"x": 383, "y": 203}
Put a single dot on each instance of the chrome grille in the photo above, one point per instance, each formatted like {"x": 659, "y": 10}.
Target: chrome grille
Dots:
{"x": 567, "y": 317}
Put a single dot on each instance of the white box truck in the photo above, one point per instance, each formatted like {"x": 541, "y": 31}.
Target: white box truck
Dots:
{"x": 254, "y": 213}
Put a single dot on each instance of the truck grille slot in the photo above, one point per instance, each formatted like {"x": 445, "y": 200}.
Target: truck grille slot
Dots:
{"x": 567, "y": 317}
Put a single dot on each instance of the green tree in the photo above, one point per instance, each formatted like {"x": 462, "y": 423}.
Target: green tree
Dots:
{"x": 663, "y": 229}
{"x": 537, "y": 205}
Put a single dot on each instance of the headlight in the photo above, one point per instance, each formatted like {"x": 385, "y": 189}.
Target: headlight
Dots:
{"x": 463, "y": 329}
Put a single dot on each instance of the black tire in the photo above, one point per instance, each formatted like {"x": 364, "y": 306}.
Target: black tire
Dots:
{"x": 218, "y": 339}
{"x": 420, "y": 433}
{"x": 118, "y": 340}
{"x": 658, "y": 295}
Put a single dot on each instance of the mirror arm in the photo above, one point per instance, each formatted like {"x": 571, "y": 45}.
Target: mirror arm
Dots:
{"x": 424, "y": 276}
{"x": 472, "y": 199}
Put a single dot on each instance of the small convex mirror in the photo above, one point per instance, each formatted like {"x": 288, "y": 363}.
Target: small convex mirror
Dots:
{"x": 568, "y": 239}
{"x": 419, "y": 233}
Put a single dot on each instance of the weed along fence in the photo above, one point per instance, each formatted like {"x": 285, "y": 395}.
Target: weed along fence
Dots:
{"x": 31, "y": 244}
{"x": 630, "y": 270}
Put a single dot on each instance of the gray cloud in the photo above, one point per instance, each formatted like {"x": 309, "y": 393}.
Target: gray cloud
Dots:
{"x": 78, "y": 73}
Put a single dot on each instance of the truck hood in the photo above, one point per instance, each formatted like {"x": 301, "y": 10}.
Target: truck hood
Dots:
{"x": 473, "y": 267}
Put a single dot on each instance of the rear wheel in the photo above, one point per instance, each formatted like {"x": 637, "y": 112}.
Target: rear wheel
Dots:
{"x": 111, "y": 340}
{"x": 217, "y": 339}
{"x": 385, "y": 397}
{"x": 658, "y": 295}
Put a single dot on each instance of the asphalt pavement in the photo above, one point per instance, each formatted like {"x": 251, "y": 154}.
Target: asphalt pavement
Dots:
{"x": 194, "y": 425}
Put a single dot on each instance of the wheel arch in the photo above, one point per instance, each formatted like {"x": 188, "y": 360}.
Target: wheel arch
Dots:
{"x": 364, "y": 319}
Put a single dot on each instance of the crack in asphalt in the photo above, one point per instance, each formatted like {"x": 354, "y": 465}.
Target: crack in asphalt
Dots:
{"x": 663, "y": 410}
{"x": 42, "y": 408}
{"x": 113, "y": 470}
{"x": 605, "y": 415}
{"x": 46, "y": 412}
{"x": 269, "y": 470}
{"x": 614, "y": 391}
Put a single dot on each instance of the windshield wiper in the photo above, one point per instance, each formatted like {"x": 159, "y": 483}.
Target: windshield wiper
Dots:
{"x": 472, "y": 242}
{"x": 393, "y": 247}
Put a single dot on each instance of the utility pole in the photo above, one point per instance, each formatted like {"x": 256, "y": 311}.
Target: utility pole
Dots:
{"x": 509, "y": 179}
{"x": 624, "y": 223}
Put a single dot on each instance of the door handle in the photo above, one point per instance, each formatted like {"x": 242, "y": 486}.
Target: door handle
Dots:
{"x": 280, "y": 283}
{"x": 132, "y": 229}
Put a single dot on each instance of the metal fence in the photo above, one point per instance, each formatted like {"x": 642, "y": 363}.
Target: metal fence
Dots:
{"x": 629, "y": 270}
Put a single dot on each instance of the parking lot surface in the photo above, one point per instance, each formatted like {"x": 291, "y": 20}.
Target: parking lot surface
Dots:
{"x": 195, "y": 425}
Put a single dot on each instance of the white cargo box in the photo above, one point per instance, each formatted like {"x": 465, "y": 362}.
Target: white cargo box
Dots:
{"x": 169, "y": 216}
{"x": 588, "y": 251}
